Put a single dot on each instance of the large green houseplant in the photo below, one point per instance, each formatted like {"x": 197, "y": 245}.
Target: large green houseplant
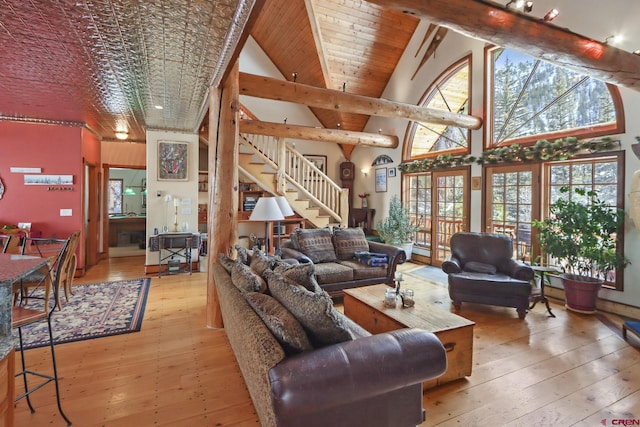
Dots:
{"x": 581, "y": 234}
{"x": 397, "y": 229}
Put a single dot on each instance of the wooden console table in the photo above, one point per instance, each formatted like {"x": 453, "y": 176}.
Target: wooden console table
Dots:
{"x": 175, "y": 245}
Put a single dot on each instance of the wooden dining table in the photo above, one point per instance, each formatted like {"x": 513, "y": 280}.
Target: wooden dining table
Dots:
{"x": 12, "y": 268}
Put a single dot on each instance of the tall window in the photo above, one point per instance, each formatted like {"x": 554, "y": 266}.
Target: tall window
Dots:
{"x": 115, "y": 196}
{"x": 531, "y": 100}
{"x": 450, "y": 92}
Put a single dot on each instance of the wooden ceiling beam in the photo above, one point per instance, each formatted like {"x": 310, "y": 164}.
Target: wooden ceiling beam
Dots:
{"x": 503, "y": 27}
{"x": 318, "y": 134}
{"x": 282, "y": 90}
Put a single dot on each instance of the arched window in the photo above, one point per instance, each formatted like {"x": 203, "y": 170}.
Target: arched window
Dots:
{"x": 530, "y": 99}
{"x": 449, "y": 92}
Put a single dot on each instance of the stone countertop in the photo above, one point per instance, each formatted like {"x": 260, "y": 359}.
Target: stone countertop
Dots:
{"x": 12, "y": 268}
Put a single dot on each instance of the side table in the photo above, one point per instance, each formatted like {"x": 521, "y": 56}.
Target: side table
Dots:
{"x": 542, "y": 271}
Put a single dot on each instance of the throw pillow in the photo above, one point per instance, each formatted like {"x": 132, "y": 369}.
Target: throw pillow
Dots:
{"x": 261, "y": 261}
{"x": 246, "y": 279}
{"x": 317, "y": 244}
{"x": 302, "y": 274}
{"x": 348, "y": 241}
{"x": 480, "y": 267}
{"x": 314, "y": 311}
{"x": 282, "y": 324}
{"x": 226, "y": 262}
{"x": 243, "y": 254}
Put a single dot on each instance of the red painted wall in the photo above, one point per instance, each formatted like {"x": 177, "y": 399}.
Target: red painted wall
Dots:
{"x": 58, "y": 151}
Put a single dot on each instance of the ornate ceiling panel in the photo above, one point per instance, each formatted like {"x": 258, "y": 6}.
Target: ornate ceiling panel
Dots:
{"x": 115, "y": 64}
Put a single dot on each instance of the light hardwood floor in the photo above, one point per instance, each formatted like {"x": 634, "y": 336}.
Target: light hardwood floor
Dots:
{"x": 571, "y": 370}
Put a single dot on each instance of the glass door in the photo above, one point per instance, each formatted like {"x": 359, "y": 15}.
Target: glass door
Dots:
{"x": 512, "y": 202}
{"x": 450, "y": 211}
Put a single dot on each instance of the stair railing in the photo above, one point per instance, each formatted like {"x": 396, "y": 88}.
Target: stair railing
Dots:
{"x": 294, "y": 169}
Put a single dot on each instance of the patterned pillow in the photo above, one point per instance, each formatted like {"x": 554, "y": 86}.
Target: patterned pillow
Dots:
{"x": 348, "y": 241}
{"x": 314, "y": 311}
{"x": 243, "y": 254}
{"x": 316, "y": 243}
{"x": 282, "y": 324}
{"x": 226, "y": 262}
{"x": 261, "y": 262}
{"x": 247, "y": 280}
{"x": 302, "y": 274}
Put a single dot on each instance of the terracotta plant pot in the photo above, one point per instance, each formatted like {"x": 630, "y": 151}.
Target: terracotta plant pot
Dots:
{"x": 581, "y": 292}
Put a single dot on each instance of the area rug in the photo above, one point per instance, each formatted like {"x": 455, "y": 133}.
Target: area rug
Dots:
{"x": 429, "y": 272}
{"x": 95, "y": 310}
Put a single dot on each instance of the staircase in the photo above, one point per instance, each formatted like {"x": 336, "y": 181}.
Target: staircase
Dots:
{"x": 279, "y": 169}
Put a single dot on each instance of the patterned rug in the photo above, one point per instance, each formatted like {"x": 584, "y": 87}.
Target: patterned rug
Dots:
{"x": 95, "y": 310}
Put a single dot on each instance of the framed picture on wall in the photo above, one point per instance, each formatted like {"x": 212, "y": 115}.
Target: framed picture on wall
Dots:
{"x": 319, "y": 161}
{"x": 381, "y": 180}
{"x": 173, "y": 161}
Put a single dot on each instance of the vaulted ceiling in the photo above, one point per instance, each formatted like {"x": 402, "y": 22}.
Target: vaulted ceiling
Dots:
{"x": 112, "y": 64}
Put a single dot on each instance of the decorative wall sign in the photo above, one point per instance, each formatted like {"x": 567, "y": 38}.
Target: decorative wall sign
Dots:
{"x": 382, "y": 159}
{"x": 48, "y": 180}
{"x": 381, "y": 180}
{"x": 173, "y": 161}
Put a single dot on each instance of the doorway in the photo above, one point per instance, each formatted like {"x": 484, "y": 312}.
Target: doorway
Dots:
{"x": 126, "y": 205}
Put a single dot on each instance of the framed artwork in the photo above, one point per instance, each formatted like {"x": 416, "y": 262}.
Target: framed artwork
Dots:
{"x": 381, "y": 180}
{"x": 476, "y": 183}
{"x": 318, "y": 161}
{"x": 392, "y": 172}
{"x": 173, "y": 161}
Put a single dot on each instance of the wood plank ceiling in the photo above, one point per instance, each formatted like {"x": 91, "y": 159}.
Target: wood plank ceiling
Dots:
{"x": 335, "y": 44}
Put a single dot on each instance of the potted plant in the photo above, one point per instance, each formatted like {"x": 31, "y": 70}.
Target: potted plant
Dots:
{"x": 581, "y": 234}
{"x": 397, "y": 229}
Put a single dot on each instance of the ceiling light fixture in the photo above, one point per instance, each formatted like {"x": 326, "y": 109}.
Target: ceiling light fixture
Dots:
{"x": 636, "y": 52}
{"x": 613, "y": 39}
{"x": 122, "y": 135}
{"x": 524, "y": 6}
{"x": 551, "y": 15}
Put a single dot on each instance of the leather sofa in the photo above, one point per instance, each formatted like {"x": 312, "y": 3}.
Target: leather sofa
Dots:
{"x": 372, "y": 380}
{"x": 333, "y": 253}
{"x": 482, "y": 270}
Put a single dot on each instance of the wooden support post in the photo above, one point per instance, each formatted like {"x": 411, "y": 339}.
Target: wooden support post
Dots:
{"x": 223, "y": 166}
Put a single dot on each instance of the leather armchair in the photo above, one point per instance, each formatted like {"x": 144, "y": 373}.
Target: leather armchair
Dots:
{"x": 482, "y": 270}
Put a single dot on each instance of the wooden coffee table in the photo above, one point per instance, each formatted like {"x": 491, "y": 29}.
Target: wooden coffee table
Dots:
{"x": 365, "y": 306}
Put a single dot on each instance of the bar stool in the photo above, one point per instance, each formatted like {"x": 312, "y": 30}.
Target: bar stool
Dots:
{"x": 34, "y": 306}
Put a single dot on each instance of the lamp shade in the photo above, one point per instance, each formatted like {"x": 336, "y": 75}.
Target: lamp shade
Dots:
{"x": 266, "y": 209}
{"x": 284, "y": 206}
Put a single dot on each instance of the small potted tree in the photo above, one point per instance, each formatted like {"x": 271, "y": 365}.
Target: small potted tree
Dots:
{"x": 581, "y": 234}
{"x": 397, "y": 229}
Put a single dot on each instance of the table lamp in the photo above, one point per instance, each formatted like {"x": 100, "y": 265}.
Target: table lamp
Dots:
{"x": 266, "y": 210}
{"x": 286, "y": 210}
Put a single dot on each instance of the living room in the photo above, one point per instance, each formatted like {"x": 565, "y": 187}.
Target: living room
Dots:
{"x": 622, "y": 297}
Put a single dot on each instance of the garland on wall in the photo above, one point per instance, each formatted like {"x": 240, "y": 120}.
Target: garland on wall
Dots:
{"x": 543, "y": 150}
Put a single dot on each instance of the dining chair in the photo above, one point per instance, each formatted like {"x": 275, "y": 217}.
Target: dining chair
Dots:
{"x": 17, "y": 235}
{"x": 34, "y": 305}
{"x": 67, "y": 268}
{"x": 4, "y": 243}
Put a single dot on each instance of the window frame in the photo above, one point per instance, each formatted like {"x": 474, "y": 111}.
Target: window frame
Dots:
{"x": 618, "y": 127}
{"x": 426, "y": 96}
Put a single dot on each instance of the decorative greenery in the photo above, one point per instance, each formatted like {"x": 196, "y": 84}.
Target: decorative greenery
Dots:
{"x": 543, "y": 150}
{"x": 397, "y": 228}
{"x": 581, "y": 236}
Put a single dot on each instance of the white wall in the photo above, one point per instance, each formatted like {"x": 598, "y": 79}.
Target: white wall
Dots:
{"x": 159, "y": 212}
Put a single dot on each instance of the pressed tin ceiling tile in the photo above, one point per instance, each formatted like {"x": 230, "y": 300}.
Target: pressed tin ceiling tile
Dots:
{"x": 108, "y": 63}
